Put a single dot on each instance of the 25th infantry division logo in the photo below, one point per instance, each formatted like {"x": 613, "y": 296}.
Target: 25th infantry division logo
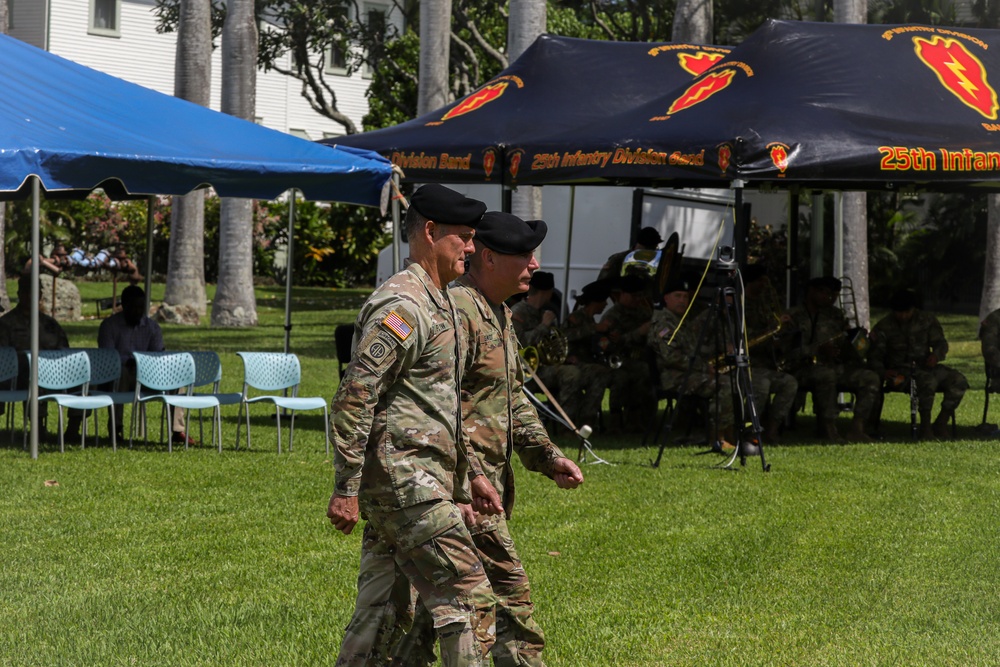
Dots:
{"x": 960, "y": 72}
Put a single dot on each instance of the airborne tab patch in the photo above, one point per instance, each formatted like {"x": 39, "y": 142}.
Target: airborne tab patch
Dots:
{"x": 397, "y": 325}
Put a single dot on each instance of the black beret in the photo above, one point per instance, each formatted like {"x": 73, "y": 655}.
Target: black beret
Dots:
{"x": 632, "y": 283}
{"x": 599, "y": 290}
{"x": 508, "y": 234}
{"x": 826, "y": 282}
{"x": 754, "y": 272}
{"x": 649, "y": 237}
{"x": 678, "y": 285}
{"x": 542, "y": 280}
{"x": 447, "y": 207}
{"x": 903, "y": 300}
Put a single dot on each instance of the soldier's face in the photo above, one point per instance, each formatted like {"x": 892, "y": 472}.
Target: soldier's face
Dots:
{"x": 451, "y": 244}
{"x": 677, "y": 302}
{"x": 903, "y": 316}
{"x": 514, "y": 271}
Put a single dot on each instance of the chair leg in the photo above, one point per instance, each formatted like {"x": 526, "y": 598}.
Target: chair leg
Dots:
{"x": 62, "y": 443}
{"x": 248, "y": 427}
{"x": 239, "y": 422}
{"x": 114, "y": 428}
{"x": 326, "y": 429}
{"x": 277, "y": 412}
{"x": 291, "y": 433}
{"x": 218, "y": 426}
{"x": 170, "y": 441}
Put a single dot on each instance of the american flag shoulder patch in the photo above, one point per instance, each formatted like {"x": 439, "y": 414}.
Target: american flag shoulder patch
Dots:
{"x": 397, "y": 325}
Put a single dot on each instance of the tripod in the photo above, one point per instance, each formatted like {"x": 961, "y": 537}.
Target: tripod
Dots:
{"x": 726, "y": 322}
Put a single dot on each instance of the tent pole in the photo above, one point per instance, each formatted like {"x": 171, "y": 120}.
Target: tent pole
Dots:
{"x": 838, "y": 234}
{"x": 816, "y": 235}
{"x": 36, "y": 298}
{"x": 150, "y": 212}
{"x": 397, "y": 235}
{"x": 288, "y": 270}
{"x": 741, "y": 230}
{"x": 792, "y": 251}
{"x": 569, "y": 252}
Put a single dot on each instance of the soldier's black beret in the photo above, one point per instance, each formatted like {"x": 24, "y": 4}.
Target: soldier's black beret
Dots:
{"x": 649, "y": 237}
{"x": 903, "y": 300}
{"x": 631, "y": 284}
{"x": 599, "y": 290}
{"x": 510, "y": 235}
{"x": 542, "y": 280}
{"x": 447, "y": 207}
{"x": 678, "y": 285}
{"x": 826, "y": 282}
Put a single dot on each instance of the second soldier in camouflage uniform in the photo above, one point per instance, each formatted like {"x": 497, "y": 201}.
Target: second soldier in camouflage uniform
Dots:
{"x": 632, "y": 401}
{"x": 398, "y": 458}
{"x": 761, "y": 321}
{"x": 499, "y": 420}
{"x": 824, "y": 363}
{"x": 582, "y": 334}
{"x": 675, "y": 344}
{"x": 911, "y": 340}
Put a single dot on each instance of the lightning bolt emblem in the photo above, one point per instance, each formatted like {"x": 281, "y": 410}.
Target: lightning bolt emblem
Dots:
{"x": 701, "y": 90}
{"x": 959, "y": 71}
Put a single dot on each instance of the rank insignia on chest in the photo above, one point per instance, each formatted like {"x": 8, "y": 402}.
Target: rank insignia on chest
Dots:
{"x": 397, "y": 325}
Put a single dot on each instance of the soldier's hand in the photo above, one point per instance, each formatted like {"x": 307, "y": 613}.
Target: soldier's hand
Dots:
{"x": 485, "y": 498}
{"x": 468, "y": 514}
{"x": 566, "y": 474}
{"x": 343, "y": 513}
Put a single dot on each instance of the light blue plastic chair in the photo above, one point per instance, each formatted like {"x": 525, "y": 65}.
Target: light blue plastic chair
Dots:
{"x": 208, "y": 372}
{"x": 8, "y": 394}
{"x": 62, "y": 370}
{"x": 162, "y": 372}
{"x": 276, "y": 371}
{"x": 105, "y": 368}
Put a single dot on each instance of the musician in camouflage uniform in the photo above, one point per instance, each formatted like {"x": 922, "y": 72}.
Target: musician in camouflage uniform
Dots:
{"x": 648, "y": 239}
{"x": 631, "y": 400}
{"x": 582, "y": 334}
{"x": 989, "y": 335}
{"x": 909, "y": 340}
{"x": 533, "y": 325}
{"x": 679, "y": 356}
{"x": 820, "y": 352}
{"x": 398, "y": 456}
{"x": 499, "y": 420}
{"x": 762, "y": 319}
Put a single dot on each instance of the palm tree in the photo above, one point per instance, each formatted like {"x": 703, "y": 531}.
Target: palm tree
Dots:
{"x": 435, "y": 40}
{"x": 192, "y": 82}
{"x": 234, "y": 304}
{"x": 693, "y": 21}
{"x": 526, "y": 23}
{"x": 855, "y": 204}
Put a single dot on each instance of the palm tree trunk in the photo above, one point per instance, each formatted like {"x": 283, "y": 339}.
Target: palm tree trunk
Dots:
{"x": 192, "y": 82}
{"x": 990, "y": 300}
{"x": 855, "y": 203}
{"x": 234, "y": 304}
{"x": 692, "y": 22}
{"x": 526, "y": 23}
{"x": 435, "y": 42}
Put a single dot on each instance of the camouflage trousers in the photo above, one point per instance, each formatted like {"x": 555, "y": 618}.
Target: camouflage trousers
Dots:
{"x": 432, "y": 548}
{"x": 718, "y": 392}
{"x": 767, "y": 381}
{"x": 631, "y": 387}
{"x": 519, "y": 638}
{"x": 825, "y": 381}
{"x": 594, "y": 380}
{"x": 941, "y": 379}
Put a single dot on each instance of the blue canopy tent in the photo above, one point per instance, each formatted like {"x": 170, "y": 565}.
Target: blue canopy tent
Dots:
{"x": 66, "y": 129}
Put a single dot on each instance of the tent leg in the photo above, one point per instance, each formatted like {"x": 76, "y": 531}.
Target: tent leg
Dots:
{"x": 289, "y": 263}
{"x": 150, "y": 212}
{"x": 397, "y": 235}
{"x": 569, "y": 253}
{"x": 35, "y": 299}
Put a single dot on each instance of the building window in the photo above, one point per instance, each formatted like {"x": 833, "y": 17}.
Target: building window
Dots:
{"x": 336, "y": 59}
{"x": 377, "y": 19}
{"x": 105, "y": 17}
{"x": 301, "y": 134}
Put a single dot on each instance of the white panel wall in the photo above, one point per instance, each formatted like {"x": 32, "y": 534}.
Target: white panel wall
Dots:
{"x": 142, "y": 56}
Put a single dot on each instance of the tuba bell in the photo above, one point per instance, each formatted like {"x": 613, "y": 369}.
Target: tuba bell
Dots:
{"x": 553, "y": 348}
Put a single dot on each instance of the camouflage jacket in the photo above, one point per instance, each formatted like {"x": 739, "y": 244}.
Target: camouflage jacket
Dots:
{"x": 396, "y": 412}
{"x": 989, "y": 334}
{"x": 613, "y": 267}
{"x": 497, "y": 417}
{"x": 808, "y": 333}
{"x": 581, "y": 335}
{"x": 527, "y": 321}
{"x": 673, "y": 358}
{"x": 626, "y": 340}
{"x": 895, "y": 345}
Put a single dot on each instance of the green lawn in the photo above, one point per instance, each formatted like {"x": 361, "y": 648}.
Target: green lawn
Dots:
{"x": 874, "y": 554}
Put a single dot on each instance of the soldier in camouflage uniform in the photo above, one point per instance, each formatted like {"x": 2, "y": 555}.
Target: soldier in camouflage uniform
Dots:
{"x": 532, "y": 325}
{"x": 761, "y": 320}
{"x": 631, "y": 400}
{"x": 989, "y": 335}
{"x": 911, "y": 340}
{"x": 499, "y": 420}
{"x": 820, "y": 352}
{"x": 581, "y": 333}
{"x": 648, "y": 239}
{"x": 398, "y": 456}
{"x": 678, "y": 356}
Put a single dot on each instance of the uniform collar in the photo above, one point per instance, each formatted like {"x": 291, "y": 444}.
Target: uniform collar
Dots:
{"x": 438, "y": 296}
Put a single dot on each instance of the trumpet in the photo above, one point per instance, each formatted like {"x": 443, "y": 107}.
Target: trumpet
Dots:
{"x": 721, "y": 368}
{"x": 612, "y": 360}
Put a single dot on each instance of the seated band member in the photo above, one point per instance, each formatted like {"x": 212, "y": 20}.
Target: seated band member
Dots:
{"x": 632, "y": 400}
{"x": 582, "y": 330}
{"x": 909, "y": 340}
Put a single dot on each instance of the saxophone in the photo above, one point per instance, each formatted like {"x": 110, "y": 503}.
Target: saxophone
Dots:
{"x": 721, "y": 368}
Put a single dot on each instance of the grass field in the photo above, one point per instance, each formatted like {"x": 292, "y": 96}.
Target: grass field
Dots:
{"x": 875, "y": 554}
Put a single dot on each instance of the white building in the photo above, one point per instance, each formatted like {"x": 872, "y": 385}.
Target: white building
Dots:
{"x": 119, "y": 37}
